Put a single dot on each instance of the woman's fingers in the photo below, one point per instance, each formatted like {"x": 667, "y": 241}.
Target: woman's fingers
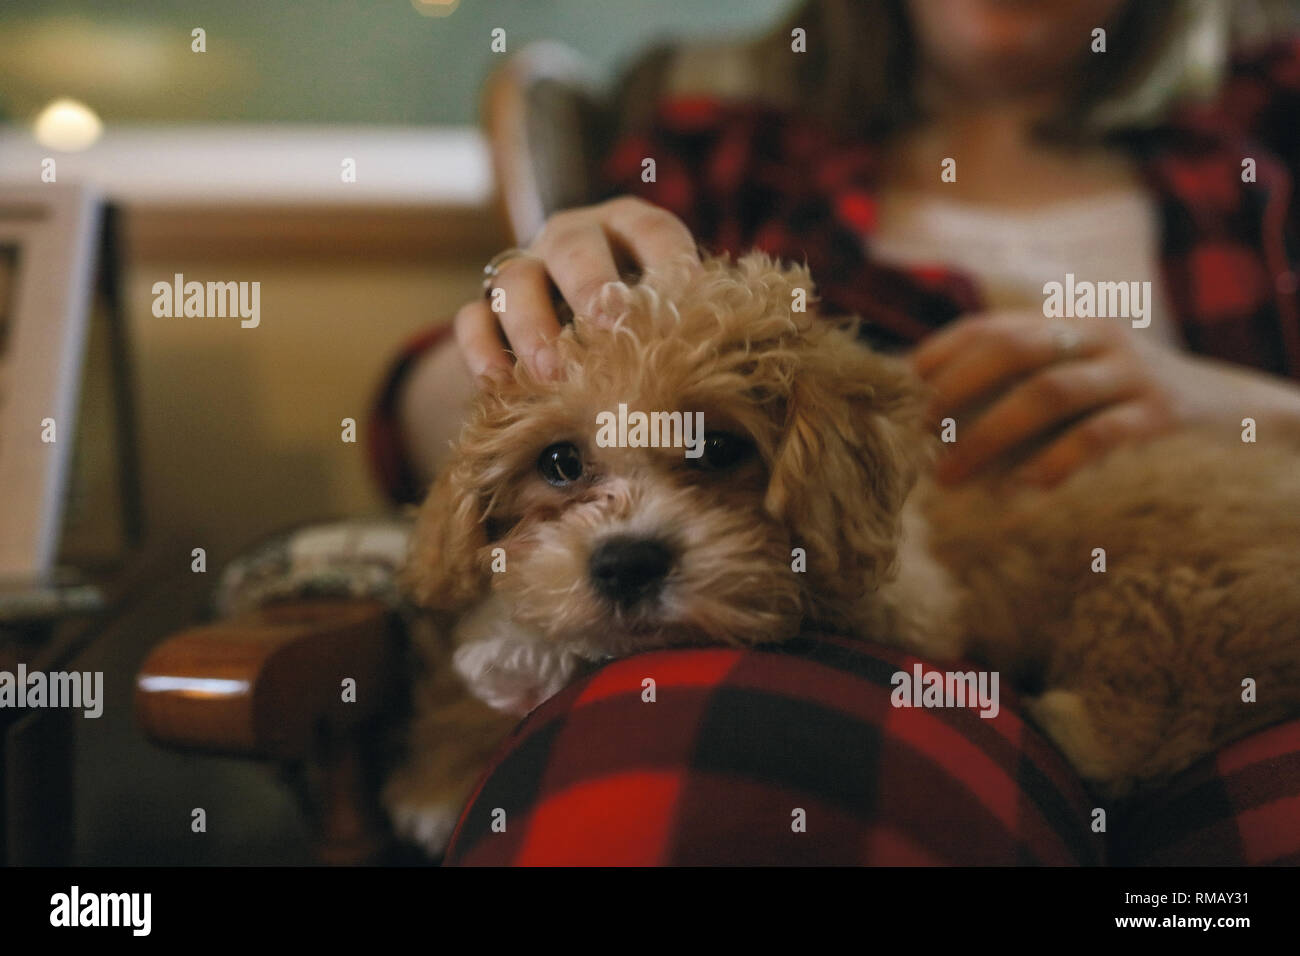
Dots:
{"x": 527, "y": 314}
{"x": 1035, "y": 407}
{"x": 479, "y": 338}
{"x": 941, "y": 346}
{"x": 579, "y": 259}
{"x": 651, "y": 234}
{"x": 989, "y": 354}
{"x": 1081, "y": 379}
{"x": 575, "y": 251}
{"x": 1093, "y": 437}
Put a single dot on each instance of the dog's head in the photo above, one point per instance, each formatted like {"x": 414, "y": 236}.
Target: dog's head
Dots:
{"x": 786, "y": 509}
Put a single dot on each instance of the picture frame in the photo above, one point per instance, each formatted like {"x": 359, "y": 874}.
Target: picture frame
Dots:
{"x": 49, "y": 236}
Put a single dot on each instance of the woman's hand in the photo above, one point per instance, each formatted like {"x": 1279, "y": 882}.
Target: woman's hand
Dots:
{"x": 578, "y": 250}
{"x": 1071, "y": 390}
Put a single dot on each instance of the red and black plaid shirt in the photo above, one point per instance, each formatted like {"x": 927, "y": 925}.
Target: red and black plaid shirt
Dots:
{"x": 743, "y": 176}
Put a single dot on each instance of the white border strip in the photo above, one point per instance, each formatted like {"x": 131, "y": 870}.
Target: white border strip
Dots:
{"x": 247, "y": 163}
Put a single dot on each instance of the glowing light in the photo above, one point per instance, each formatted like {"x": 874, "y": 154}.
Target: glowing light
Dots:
{"x": 67, "y": 125}
{"x": 435, "y": 8}
{"x": 193, "y": 686}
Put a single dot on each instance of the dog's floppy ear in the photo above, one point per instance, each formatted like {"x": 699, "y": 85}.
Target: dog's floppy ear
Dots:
{"x": 853, "y": 445}
{"x": 445, "y": 568}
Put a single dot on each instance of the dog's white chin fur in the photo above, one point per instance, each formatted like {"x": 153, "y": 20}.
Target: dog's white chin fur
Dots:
{"x": 508, "y": 666}
{"x": 513, "y": 668}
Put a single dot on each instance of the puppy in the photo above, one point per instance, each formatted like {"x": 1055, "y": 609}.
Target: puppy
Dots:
{"x": 544, "y": 549}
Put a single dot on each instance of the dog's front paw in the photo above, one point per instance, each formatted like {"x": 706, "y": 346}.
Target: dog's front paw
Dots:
{"x": 427, "y": 825}
{"x": 1064, "y": 716}
{"x": 421, "y": 813}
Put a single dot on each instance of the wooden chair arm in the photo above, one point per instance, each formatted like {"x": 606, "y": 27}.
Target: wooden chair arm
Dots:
{"x": 266, "y": 684}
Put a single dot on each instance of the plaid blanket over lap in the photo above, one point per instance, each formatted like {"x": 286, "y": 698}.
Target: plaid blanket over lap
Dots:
{"x": 737, "y": 741}
{"x": 713, "y": 771}
{"x": 1239, "y": 807}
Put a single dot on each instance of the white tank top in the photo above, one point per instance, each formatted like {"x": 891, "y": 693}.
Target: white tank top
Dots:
{"x": 1013, "y": 253}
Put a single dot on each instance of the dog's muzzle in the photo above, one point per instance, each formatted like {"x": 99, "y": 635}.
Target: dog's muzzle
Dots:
{"x": 629, "y": 570}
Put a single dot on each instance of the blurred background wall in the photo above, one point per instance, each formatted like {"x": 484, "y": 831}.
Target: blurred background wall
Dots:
{"x": 315, "y": 61}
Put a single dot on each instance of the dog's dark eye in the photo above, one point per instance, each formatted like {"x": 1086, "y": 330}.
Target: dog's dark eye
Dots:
{"x": 723, "y": 450}
{"x": 560, "y": 463}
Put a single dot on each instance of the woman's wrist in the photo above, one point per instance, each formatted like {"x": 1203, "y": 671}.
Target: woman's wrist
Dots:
{"x": 1227, "y": 394}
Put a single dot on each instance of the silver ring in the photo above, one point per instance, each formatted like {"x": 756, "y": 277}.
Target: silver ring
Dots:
{"x": 495, "y": 264}
{"x": 1067, "y": 340}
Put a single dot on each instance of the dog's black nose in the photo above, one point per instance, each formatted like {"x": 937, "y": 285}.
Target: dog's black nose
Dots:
{"x": 628, "y": 570}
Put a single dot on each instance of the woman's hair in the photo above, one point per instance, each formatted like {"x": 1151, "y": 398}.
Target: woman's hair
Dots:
{"x": 860, "y": 69}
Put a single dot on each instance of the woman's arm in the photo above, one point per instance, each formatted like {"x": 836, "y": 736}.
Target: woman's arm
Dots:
{"x": 1227, "y": 393}
{"x": 432, "y": 407}
{"x": 1073, "y": 390}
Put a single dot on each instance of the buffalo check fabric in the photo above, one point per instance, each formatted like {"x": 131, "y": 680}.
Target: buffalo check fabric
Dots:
{"x": 737, "y": 742}
{"x": 1239, "y": 807}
